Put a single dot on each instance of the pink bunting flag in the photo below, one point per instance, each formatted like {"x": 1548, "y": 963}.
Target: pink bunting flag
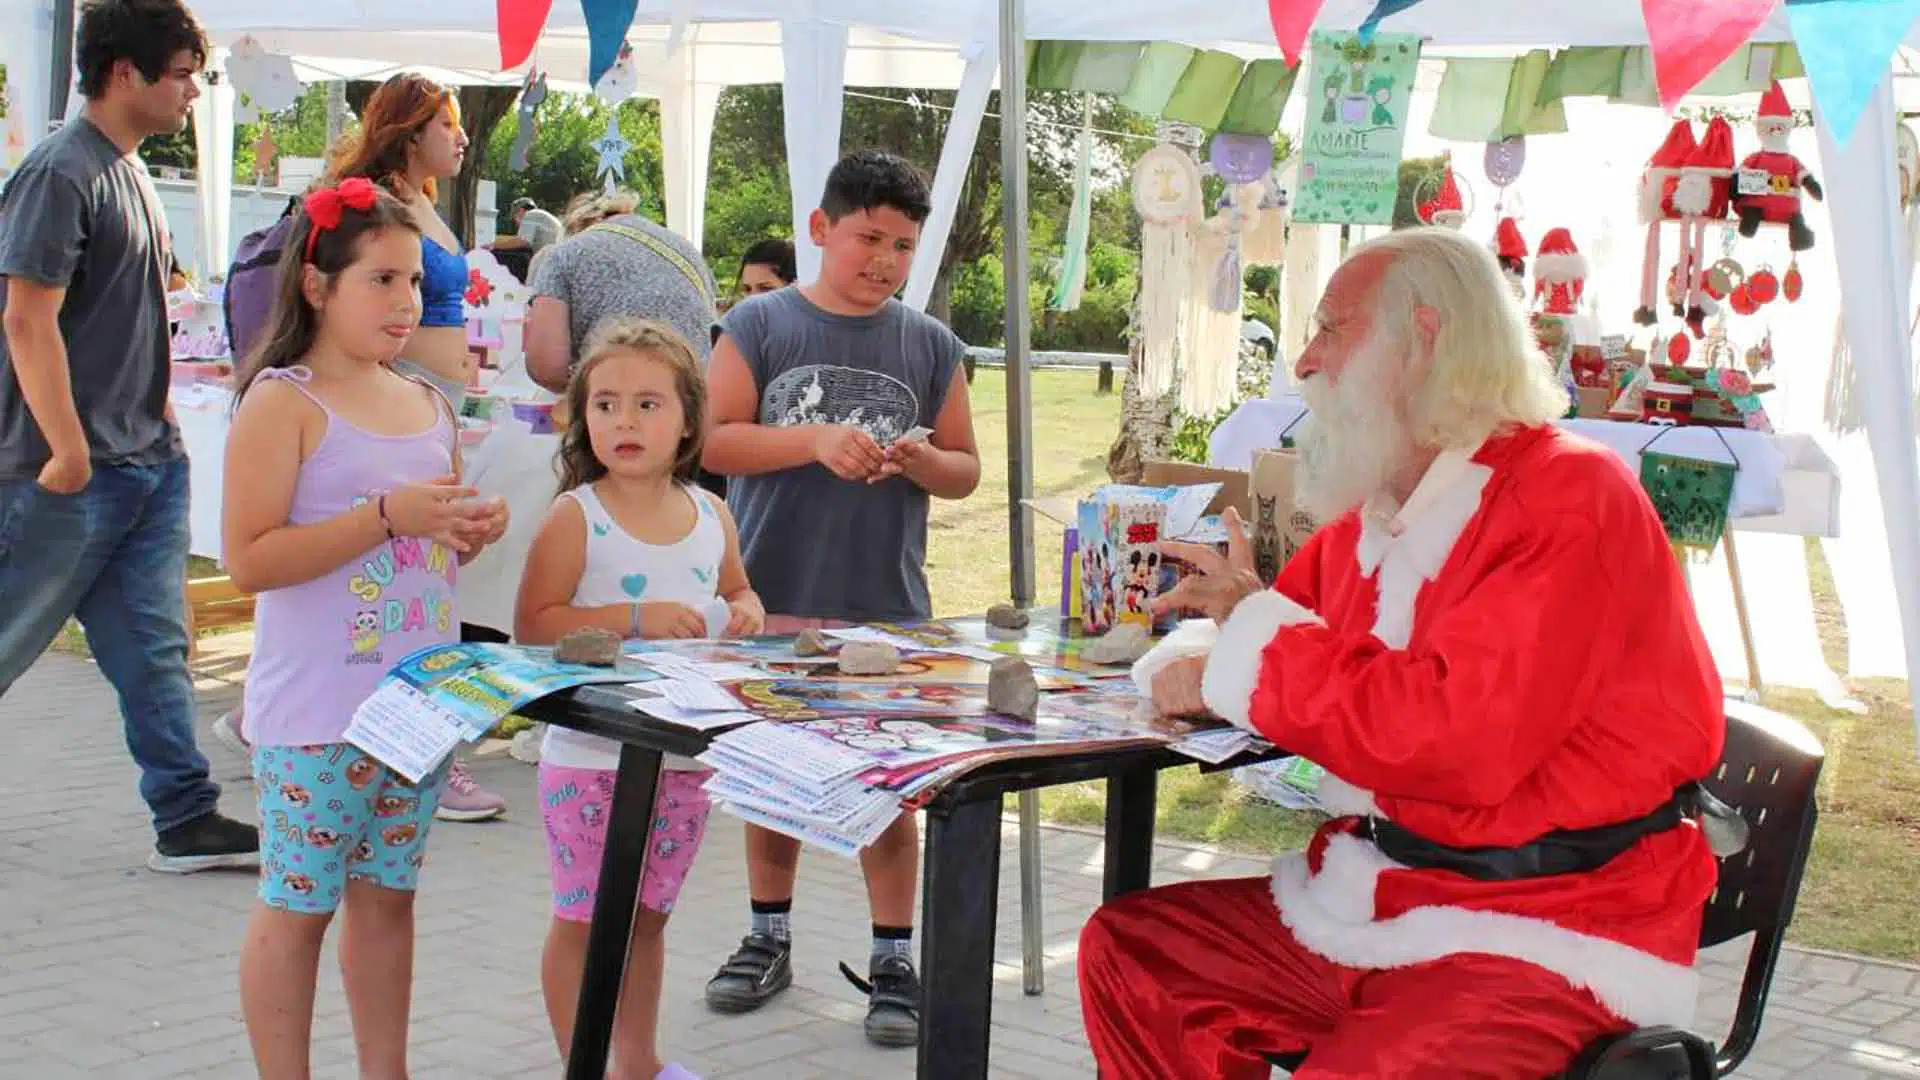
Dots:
{"x": 520, "y": 23}
{"x": 1292, "y": 20}
{"x": 1689, "y": 39}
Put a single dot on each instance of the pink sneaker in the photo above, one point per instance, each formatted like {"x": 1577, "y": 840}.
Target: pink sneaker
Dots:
{"x": 464, "y": 800}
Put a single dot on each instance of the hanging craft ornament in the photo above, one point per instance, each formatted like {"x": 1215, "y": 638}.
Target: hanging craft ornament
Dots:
{"x": 1166, "y": 193}
{"x": 1763, "y": 286}
{"x": 266, "y": 159}
{"x": 612, "y": 147}
{"x": 1792, "y": 284}
{"x": 1240, "y": 159}
{"x": 1767, "y": 188}
{"x": 263, "y": 82}
{"x": 532, "y": 93}
{"x": 1503, "y": 162}
{"x": 1692, "y": 496}
{"x": 1443, "y": 198}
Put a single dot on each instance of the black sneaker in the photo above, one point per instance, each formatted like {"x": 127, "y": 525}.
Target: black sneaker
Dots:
{"x": 761, "y": 967}
{"x": 893, "y": 1001}
{"x": 208, "y": 842}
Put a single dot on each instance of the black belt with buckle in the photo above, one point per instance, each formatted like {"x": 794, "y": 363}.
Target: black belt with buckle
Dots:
{"x": 1563, "y": 851}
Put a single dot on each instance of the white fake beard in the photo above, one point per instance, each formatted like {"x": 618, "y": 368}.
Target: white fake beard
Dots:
{"x": 1351, "y": 445}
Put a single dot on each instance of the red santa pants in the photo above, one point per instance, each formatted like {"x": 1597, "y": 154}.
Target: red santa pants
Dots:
{"x": 1199, "y": 980}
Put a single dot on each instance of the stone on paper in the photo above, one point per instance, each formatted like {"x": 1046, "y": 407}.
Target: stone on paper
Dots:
{"x": 588, "y": 645}
{"x": 809, "y": 642}
{"x": 868, "y": 658}
{"x": 1012, "y": 689}
{"x": 1123, "y": 644}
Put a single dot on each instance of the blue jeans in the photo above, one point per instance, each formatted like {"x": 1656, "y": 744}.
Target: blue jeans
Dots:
{"x": 115, "y": 554}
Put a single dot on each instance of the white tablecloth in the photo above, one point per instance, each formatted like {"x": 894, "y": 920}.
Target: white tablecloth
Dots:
{"x": 1785, "y": 484}
{"x": 511, "y": 462}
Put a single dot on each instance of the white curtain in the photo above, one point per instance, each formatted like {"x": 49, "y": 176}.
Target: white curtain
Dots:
{"x": 687, "y": 107}
{"x": 1862, "y": 190}
{"x": 815, "y": 55}
{"x": 956, "y": 154}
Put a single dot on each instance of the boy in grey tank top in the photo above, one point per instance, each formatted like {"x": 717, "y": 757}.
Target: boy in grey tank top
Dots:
{"x": 816, "y": 391}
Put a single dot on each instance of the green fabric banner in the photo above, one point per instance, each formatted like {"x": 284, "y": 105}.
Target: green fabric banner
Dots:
{"x": 1356, "y": 123}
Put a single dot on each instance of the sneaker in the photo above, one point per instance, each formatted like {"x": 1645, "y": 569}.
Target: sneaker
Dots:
{"x": 208, "y": 842}
{"x": 226, "y": 728}
{"x": 464, "y": 800}
{"x": 760, "y": 968}
{"x": 893, "y": 1001}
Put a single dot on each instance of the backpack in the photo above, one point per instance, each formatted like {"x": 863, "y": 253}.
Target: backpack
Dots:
{"x": 247, "y": 304}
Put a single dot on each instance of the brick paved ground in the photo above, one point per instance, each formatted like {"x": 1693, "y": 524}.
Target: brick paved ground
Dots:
{"x": 109, "y": 971}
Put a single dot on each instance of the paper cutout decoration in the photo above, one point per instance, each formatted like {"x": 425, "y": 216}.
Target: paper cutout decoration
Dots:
{"x": 262, "y": 82}
{"x": 1292, "y": 19}
{"x": 607, "y": 25}
{"x": 532, "y": 93}
{"x": 492, "y": 298}
{"x": 620, "y": 81}
{"x": 612, "y": 148}
{"x": 1846, "y": 47}
{"x": 1689, "y": 39}
{"x": 519, "y": 24}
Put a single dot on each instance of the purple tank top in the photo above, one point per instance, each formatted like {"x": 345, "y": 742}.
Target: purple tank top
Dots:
{"x": 319, "y": 648}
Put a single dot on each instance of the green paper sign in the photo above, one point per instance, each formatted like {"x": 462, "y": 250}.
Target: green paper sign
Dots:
{"x": 1357, "y": 98}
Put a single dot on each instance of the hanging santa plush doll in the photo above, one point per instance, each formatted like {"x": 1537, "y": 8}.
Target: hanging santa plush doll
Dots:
{"x": 1511, "y": 249}
{"x": 1767, "y": 187}
{"x": 1559, "y": 273}
{"x": 1658, "y": 183}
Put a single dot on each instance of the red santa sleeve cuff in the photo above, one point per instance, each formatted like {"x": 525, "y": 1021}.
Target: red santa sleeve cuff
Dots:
{"x": 1233, "y": 667}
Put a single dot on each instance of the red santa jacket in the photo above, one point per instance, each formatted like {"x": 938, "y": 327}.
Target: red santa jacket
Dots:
{"x": 1784, "y": 175}
{"x": 1522, "y": 656}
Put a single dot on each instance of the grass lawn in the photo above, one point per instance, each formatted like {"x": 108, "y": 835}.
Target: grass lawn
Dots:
{"x": 1857, "y": 895}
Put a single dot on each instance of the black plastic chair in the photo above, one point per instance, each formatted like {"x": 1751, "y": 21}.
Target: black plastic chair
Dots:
{"x": 1768, "y": 771}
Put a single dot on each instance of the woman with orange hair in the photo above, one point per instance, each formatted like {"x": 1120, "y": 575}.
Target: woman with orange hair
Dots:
{"x": 410, "y": 139}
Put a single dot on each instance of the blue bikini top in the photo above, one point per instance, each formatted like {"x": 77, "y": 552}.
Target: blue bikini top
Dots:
{"x": 443, "y": 285}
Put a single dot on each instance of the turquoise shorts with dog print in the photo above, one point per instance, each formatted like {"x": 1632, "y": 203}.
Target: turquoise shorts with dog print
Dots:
{"x": 330, "y": 813}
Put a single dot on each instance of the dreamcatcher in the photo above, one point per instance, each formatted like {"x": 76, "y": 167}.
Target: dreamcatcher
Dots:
{"x": 1238, "y": 160}
{"x": 1166, "y": 193}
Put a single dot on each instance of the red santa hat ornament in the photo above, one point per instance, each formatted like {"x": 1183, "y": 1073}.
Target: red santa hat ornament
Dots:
{"x": 1510, "y": 248}
{"x": 1559, "y": 273}
{"x": 1658, "y": 184}
{"x": 1446, "y": 208}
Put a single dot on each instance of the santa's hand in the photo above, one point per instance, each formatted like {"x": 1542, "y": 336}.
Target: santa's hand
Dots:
{"x": 1176, "y": 687}
{"x": 1216, "y": 583}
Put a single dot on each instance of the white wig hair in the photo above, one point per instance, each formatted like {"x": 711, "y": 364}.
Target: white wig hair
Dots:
{"x": 1485, "y": 374}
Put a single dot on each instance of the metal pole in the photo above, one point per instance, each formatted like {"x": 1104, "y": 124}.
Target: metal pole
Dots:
{"x": 1013, "y": 205}
{"x": 60, "y": 78}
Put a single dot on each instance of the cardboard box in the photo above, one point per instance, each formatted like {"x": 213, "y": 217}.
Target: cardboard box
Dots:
{"x": 1591, "y": 402}
{"x": 1280, "y": 528}
{"x": 1233, "y": 483}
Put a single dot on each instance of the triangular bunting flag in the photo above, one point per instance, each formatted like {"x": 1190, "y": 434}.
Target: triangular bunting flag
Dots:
{"x": 607, "y": 24}
{"x": 1846, "y": 47}
{"x": 519, "y": 23}
{"x": 1381, "y": 10}
{"x": 1292, "y": 19}
{"x": 1689, "y": 39}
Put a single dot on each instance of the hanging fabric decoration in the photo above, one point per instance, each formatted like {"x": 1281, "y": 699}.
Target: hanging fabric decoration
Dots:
{"x": 1658, "y": 182}
{"x": 1689, "y": 39}
{"x": 1846, "y": 47}
{"x": 1265, "y": 241}
{"x": 1702, "y": 194}
{"x": 1073, "y": 261}
{"x": 519, "y": 24}
{"x": 1291, "y": 20}
{"x": 1237, "y": 160}
{"x": 1842, "y": 411}
{"x": 1381, "y": 10}
{"x": 1209, "y": 365}
{"x": 1166, "y": 193}
{"x": 1228, "y": 277}
{"x": 1692, "y": 496}
{"x": 532, "y": 93}
{"x": 607, "y": 25}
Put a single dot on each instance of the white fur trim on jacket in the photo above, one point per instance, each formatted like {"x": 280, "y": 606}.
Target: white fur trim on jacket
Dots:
{"x": 1433, "y": 520}
{"x": 1233, "y": 667}
{"x": 1193, "y": 637}
{"x": 1341, "y": 799}
{"x": 1332, "y": 913}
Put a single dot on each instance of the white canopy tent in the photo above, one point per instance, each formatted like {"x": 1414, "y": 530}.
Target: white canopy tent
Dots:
{"x": 818, "y": 48}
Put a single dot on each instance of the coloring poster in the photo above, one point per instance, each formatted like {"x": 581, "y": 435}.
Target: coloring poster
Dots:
{"x": 1357, "y": 102}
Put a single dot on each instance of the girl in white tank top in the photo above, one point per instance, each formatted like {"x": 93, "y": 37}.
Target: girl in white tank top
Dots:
{"x": 630, "y": 546}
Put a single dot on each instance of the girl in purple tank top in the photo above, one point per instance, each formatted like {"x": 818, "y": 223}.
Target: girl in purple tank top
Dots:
{"x": 343, "y": 511}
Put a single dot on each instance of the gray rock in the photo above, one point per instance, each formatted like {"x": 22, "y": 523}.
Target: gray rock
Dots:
{"x": 1012, "y": 689}
{"x": 1007, "y": 617}
{"x": 809, "y": 642}
{"x": 868, "y": 658}
{"x": 1121, "y": 645}
{"x": 588, "y": 645}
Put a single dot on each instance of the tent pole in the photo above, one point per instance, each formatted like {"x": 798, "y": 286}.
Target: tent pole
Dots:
{"x": 60, "y": 73}
{"x": 1013, "y": 206}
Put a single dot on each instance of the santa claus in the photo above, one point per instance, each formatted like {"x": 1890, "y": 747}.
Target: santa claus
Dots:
{"x": 1767, "y": 187}
{"x": 1491, "y": 650}
{"x": 1559, "y": 274}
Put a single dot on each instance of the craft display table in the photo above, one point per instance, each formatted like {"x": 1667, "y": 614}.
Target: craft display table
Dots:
{"x": 960, "y": 889}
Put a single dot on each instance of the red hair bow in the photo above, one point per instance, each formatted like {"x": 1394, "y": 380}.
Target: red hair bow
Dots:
{"x": 325, "y": 207}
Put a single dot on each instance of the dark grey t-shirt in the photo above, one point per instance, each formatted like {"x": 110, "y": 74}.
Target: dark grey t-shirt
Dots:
{"x": 80, "y": 214}
{"x": 816, "y": 545}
